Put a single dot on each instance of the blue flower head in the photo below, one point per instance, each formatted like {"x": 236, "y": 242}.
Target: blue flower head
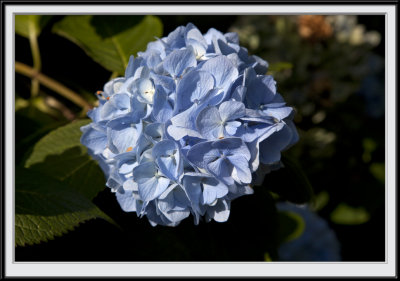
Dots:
{"x": 317, "y": 242}
{"x": 188, "y": 126}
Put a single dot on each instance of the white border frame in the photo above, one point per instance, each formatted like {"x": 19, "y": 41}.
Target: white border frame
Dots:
{"x": 103, "y": 269}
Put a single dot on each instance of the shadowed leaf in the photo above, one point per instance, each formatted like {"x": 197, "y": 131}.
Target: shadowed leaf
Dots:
{"x": 45, "y": 208}
{"x": 60, "y": 155}
{"x": 110, "y": 40}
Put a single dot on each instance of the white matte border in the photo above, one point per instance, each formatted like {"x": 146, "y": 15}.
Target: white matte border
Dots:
{"x": 367, "y": 269}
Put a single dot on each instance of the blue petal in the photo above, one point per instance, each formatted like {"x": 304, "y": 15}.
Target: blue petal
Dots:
{"x": 211, "y": 33}
{"x": 232, "y": 37}
{"x": 163, "y": 107}
{"x": 176, "y": 39}
{"x": 239, "y": 93}
{"x": 183, "y": 124}
{"x": 193, "y": 191}
{"x": 145, "y": 90}
{"x": 126, "y": 201}
{"x": 195, "y": 39}
{"x": 124, "y": 140}
{"x": 144, "y": 172}
{"x": 192, "y": 33}
{"x": 209, "y": 123}
{"x": 261, "y": 66}
{"x": 223, "y": 71}
{"x": 176, "y": 216}
{"x": 193, "y": 87}
{"x": 117, "y": 105}
{"x": 222, "y": 169}
{"x": 143, "y": 144}
{"x": 233, "y": 145}
{"x": 113, "y": 86}
{"x": 130, "y": 70}
{"x": 225, "y": 48}
{"x": 174, "y": 198}
{"x": 155, "y": 131}
{"x": 94, "y": 139}
{"x": 213, "y": 189}
{"x": 177, "y": 61}
{"x": 149, "y": 184}
{"x": 152, "y": 58}
{"x": 127, "y": 167}
{"x": 271, "y": 147}
{"x": 198, "y": 151}
{"x": 168, "y": 158}
{"x": 278, "y": 112}
{"x": 231, "y": 128}
{"x": 166, "y": 82}
{"x": 120, "y": 123}
{"x": 130, "y": 186}
{"x": 232, "y": 110}
{"x": 260, "y": 91}
{"x": 241, "y": 173}
{"x": 220, "y": 212}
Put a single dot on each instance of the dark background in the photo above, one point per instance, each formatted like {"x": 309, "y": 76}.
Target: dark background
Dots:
{"x": 247, "y": 227}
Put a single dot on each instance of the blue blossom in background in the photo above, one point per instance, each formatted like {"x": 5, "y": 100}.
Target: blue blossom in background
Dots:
{"x": 187, "y": 128}
{"x": 318, "y": 242}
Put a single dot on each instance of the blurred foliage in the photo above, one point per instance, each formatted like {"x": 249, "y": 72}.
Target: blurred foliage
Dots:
{"x": 345, "y": 214}
{"x": 326, "y": 67}
{"x": 335, "y": 80}
{"x": 291, "y": 226}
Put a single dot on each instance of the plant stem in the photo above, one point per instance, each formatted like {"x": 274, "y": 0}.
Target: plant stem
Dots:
{"x": 52, "y": 85}
{"x": 37, "y": 63}
{"x": 115, "y": 74}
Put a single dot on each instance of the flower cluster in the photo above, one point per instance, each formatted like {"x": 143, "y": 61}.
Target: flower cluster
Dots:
{"x": 318, "y": 242}
{"x": 188, "y": 126}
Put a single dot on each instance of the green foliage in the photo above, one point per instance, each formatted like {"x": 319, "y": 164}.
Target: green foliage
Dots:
{"x": 378, "y": 171}
{"x": 30, "y": 24}
{"x": 110, "y": 40}
{"x": 291, "y": 226}
{"x": 45, "y": 208}
{"x": 279, "y": 66}
{"x": 369, "y": 146}
{"x": 34, "y": 119}
{"x": 61, "y": 155}
{"x": 345, "y": 214}
{"x": 321, "y": 200}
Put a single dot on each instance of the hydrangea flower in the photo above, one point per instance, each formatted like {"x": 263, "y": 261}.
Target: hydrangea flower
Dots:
{"x": 318, "y": 242}
{"x": 186, "y": 129}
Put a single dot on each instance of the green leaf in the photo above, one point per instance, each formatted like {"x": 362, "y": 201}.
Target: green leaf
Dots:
{"x": 110, "y": 40}
{"x": 378, "y": 171}
{"x": 321, "y": 200}
{"x": 45, "y": 208}
{"x": 267, "y": 257}
{"x": 26, "y": 24}
{"x": 345, "y": 214}
{"x": 279, "y": 66}
{"x": 61, "y": 155}
{"x": 291, "y": 226}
